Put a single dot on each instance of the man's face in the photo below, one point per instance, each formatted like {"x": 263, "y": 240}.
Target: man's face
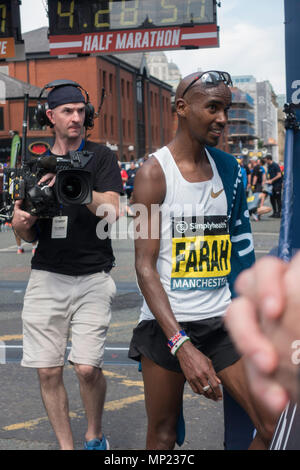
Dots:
{"x": 207, "y": 113}
{"x": 68, "y": 119}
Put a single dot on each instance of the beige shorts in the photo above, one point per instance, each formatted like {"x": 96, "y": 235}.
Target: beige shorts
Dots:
{"x": 56, "y": 305}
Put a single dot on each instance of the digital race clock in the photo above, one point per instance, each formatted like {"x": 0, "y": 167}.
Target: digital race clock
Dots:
{"x": 78, "y": 16}
{"x": 10, "y": 28}
{"x": 130, "y": 25}
{"x": 10, "y": 19}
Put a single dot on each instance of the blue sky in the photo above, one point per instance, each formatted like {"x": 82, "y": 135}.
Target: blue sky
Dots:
{"x": 251, "y": 40}
{"x": 251, "y": 43}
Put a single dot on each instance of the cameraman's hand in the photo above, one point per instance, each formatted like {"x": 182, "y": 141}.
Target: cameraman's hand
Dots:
{"x": 49, "y": 178}
{"x": 23, "y": 222}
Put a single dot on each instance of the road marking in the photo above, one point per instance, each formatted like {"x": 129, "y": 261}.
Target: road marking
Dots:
{"x": 10, "y": 337}
{"x": 20, "y": 337}
{"x": 109, "y": 406}
{"x": 118, "y": 404}
{"x": 114, "y": 405}
{"x": 26, "y": 425}
{"x": 273, "y": 234}
{"x": 9, "y": 248}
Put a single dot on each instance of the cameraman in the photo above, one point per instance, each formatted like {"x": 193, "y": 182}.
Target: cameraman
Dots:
{"x": 70, "y": 285}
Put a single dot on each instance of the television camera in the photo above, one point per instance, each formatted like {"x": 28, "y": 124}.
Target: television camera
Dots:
{"x": 73, "y": 185}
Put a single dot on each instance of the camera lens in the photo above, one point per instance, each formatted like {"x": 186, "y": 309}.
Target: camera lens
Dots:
{"x": 71, "y": 187}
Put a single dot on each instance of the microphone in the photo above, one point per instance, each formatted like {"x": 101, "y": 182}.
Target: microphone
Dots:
{"x": 47, "y": 163}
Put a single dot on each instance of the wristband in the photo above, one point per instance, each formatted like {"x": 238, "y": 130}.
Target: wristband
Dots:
{"x": 178, "y": 345}
{"x": 172, "y": 341}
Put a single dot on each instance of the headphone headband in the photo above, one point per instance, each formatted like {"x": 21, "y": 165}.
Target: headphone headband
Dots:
{"x": 62, "y": 82}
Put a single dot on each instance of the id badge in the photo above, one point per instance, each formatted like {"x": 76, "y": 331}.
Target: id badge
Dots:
{"x": 59, "y": 226}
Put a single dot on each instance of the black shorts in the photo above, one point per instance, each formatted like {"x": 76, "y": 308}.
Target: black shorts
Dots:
{"x": 208, "y": 336}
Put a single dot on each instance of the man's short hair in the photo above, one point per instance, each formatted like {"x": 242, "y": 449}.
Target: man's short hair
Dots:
{"x": 269, "y": 157}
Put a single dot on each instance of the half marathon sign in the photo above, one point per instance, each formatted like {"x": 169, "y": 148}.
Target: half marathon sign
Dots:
{"x": 134, "y": 41}
{"x": 131, "y": 26}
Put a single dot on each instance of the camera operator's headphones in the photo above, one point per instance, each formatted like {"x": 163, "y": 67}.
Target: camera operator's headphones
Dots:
{"x": 40, "y": 112}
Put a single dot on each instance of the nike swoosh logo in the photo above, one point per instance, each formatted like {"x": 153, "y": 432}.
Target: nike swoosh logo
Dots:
{"x": 215, "y": 195}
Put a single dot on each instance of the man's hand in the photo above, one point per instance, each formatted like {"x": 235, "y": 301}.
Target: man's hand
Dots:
{"x": 23, "y": 222}
{"x": 49, "y": 178}
{"x": 264, "y": 323}
{"x": 199, "y": 372}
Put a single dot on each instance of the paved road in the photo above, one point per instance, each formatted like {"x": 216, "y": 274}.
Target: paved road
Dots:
{"x": 23, "y": 422}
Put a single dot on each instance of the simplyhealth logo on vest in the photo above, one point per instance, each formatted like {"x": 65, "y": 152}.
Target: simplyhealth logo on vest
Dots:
{"x": 201, "y": 251}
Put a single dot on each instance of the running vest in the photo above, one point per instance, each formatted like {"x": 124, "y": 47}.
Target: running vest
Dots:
{"x": 195, "y": 246}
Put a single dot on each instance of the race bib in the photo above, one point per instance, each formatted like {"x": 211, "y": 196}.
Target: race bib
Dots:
{"x": 201, "y": 251}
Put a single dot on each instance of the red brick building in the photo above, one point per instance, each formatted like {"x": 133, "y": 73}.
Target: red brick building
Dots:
{"x": 136, "y": 116}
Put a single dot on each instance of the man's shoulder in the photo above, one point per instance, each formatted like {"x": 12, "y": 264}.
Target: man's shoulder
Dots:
{"x": 97, "y": 148}
{"x": 91, "y": 145}
{"x": 276, "y": 166}
{"x": 150, "y": 184}
{"x": 150, "y": 169}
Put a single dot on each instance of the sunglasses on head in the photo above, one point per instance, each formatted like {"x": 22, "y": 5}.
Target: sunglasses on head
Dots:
{"x": 212, "y": 77}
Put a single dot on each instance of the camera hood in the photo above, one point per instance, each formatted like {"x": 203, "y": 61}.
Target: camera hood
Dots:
{"x": 74, "y": 186}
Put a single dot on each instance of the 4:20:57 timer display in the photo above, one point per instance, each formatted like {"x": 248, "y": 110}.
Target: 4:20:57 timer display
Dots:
{"x": 78, "y": 16}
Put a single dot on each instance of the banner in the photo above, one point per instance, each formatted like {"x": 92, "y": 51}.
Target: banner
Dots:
{"x": 292, "y": 36}
{"x": 15, "y": 150}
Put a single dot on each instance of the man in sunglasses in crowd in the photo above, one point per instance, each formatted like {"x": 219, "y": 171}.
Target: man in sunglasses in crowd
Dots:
{"x": 186, "y": 268}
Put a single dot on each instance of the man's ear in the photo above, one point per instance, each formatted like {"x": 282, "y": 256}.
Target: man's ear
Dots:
{"x": 49, "y": 114}
{"x": 181, "y": 107}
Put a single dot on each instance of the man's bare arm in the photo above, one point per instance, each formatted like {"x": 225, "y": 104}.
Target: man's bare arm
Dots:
{"x": 108, "y": 199}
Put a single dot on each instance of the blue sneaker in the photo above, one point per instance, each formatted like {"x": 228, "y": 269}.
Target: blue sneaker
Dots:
{"x": 97, "y": 444}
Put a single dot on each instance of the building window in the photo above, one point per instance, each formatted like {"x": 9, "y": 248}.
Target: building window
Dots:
{"x": 110, "y": 83}
{"x": 128, "y": 90}
{"x": 129, "y": 129}
{"x": 1, "y": 119}
{"x": 105, "y": 123}
{"x": 104, "y": 79}
{"x": 111, "y": 125}
{"x": 122, "y": 87}
{"x": 33, "y": 124}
